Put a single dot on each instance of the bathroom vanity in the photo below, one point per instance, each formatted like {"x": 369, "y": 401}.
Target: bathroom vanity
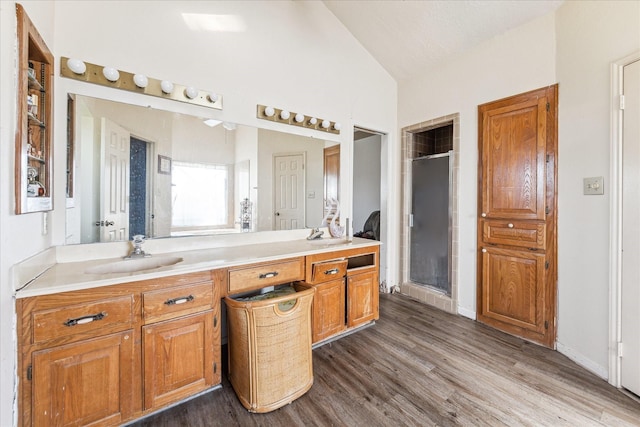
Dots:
{"x": 105, "y": 349}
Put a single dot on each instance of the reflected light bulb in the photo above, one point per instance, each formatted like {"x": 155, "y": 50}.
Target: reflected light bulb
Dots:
{"x": 212, "y": 97}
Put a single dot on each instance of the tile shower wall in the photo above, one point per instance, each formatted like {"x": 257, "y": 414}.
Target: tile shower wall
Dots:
{"x": 433, "y": 141}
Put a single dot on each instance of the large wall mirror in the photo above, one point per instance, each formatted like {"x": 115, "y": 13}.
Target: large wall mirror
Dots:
{"x": 145, "y": 171}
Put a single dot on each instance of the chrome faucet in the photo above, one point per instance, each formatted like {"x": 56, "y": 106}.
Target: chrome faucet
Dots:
{"x": 315, "y": 234}
{"x": 137, "y": 251}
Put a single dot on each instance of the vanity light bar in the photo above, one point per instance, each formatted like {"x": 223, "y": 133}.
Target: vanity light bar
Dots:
{"x": 110, "y": 77}
{"x": 289, "y": 117}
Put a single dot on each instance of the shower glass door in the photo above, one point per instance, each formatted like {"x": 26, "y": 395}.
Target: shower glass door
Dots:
{"x": 430, "y": 249}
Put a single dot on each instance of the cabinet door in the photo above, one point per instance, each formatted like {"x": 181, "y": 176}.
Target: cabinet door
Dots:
{"x": 89, "y": 382}
{"x": 179, "y": 358}
{"x": 513, "y": 160}
{"x": 513, "y": 291}
{"x": 328, "y": 309}
{"x": 362, "y": 298}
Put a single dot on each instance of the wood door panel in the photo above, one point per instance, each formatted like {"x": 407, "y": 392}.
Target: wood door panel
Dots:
{"x": 178, "y": 359}
{"x": 362, "y": 298}
{"x": 513, "y": 161}
{"x": 517, "y": 233}
{"x": 517, "y": 210}
{"x": 88, "y": 383}
{"x": 513, "y": 288}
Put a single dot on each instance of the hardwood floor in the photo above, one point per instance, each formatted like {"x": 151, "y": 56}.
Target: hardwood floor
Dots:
{"x": 421, "y": 366}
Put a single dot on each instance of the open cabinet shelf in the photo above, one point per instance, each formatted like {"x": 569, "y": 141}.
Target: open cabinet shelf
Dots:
{"x": 33, "y": 165}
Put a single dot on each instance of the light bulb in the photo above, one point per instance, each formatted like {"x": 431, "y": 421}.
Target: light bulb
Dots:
{"x": 337, "y": 126}
{"x": 166, "y": 86}
{"x": 76, "y": 65}
{"x": 284, "y": 115}
{"x": 325, "y": 124}
{"x": 140, "y": 80}
{"x": 212, "y": 97}
{"x": 313, "y": 121}
{"x": 269, "y": 111}
{"x": 191, "y": 92}
{"x": 299, "y": 118}
{"x": 111, "y": 74}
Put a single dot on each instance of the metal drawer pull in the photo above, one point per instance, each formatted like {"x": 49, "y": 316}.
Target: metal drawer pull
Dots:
{"x": 85, "y": 319}
{"x": 510, "y": 225}
{"x": 180, "y": 300}
{"x": 332, "y": 271}
{"x": 268, "y": 275}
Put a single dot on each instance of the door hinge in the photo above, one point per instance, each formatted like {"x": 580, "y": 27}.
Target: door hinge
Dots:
{"x": 546, "y": 324}
{"x": 215, "y": 321}
{"x": 30, "y": 372}
{"x": 215, "y": 367}
{"x": 620, "y": 349}
{"x": 547, "y": 210}
{"x": 548, "y": 107}
{"x": 546, "y": 265}
{"x": 622, "y": 102}
{"x": 410, "y": 220}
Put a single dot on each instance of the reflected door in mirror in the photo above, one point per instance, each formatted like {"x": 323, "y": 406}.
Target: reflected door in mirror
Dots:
{"x": 289, "y": 192}
{"x": 115, "y": 172}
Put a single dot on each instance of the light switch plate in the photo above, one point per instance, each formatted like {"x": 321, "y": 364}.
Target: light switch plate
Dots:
{"x": 594, "y": 185}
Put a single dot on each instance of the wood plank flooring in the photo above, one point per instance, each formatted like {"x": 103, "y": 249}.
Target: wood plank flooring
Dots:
{"x": 419, "y": 366}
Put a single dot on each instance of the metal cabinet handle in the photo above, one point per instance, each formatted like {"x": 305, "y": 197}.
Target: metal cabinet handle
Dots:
{"x": 85, "y": 319}
{"x": 268, "y": 275}
{"x": 484, "y": 250}
{"x": 510, "y": 225}
{"x": 179, "y": 300}
{"x": 483, "y": 215}
{"x": 332, "y": 271}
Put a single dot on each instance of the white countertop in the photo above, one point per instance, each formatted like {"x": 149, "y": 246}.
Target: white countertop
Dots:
{"x": 70, "y": 276}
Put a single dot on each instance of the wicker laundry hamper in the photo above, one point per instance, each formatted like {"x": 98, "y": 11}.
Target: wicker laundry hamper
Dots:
{"x": 270, "y": 361}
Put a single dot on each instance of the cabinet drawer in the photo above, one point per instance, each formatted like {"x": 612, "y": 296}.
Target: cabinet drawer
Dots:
{"x": 326, "y": 271}
{"x": 514, "y": 233}
{"x": 177, "y": 301}
{"x": 108, "y": 315}
{"x": 268, "y": 274}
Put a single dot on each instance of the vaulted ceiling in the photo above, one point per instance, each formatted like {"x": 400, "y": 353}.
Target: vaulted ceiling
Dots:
{"x": 409, "y": 37}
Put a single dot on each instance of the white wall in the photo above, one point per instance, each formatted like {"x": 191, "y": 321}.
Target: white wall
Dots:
{"x": 293, "y": 55}
{"x": 366, "y": 179}
{"x": 590, "y": 36}
{"x": 520, "y": 60}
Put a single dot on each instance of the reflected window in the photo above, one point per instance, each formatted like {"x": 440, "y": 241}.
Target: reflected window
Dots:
{"x": 200, "y": 196}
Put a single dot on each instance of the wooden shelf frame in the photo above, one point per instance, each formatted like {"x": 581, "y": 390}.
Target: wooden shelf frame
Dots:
{"x": 32, "y": 48}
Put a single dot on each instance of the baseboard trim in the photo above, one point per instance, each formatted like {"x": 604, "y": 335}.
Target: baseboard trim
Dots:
{"x": 583, "y": 361}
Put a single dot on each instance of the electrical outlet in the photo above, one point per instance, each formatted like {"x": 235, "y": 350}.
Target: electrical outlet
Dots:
{"x": 593, "y": 185}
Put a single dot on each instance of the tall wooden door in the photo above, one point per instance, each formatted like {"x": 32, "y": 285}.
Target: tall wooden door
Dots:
{"x": 517, "y": 272}
{"x": 288, "y": 192}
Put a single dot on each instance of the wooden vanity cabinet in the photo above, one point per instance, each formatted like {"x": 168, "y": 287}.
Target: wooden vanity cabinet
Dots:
{"x": 346, "y": 290}
{"x": 108, "y": 355}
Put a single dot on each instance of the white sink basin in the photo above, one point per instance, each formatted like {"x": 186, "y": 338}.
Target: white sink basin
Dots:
{"x": 133, "y": 265}
{"x": 328, "y": 242}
